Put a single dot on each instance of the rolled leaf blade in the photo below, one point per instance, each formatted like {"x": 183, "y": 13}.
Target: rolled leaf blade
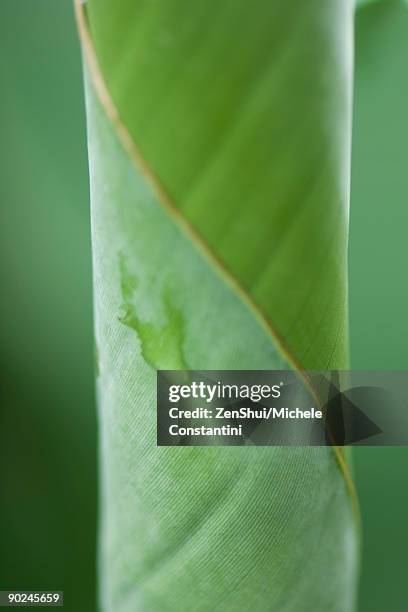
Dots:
{"x": 218, "y": 528}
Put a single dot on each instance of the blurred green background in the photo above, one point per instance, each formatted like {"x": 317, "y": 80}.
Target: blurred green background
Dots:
{"x": 379, "y": 284}
{"x": 48, "y": 427}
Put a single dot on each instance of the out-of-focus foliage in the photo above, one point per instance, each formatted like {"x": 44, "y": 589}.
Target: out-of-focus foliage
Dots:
{"x": 378, "y": 283}
{"x": 47, "y": 426}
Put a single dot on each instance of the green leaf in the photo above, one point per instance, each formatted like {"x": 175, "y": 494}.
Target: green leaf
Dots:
{"x": 219, "y": 143}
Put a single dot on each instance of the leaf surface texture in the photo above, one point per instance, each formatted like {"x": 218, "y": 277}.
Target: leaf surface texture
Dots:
{"x": 219, "y": 143}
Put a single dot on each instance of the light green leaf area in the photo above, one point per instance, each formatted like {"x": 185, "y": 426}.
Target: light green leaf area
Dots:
{"x": 241, "y": 111}
{"x": 194, "y": 528}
